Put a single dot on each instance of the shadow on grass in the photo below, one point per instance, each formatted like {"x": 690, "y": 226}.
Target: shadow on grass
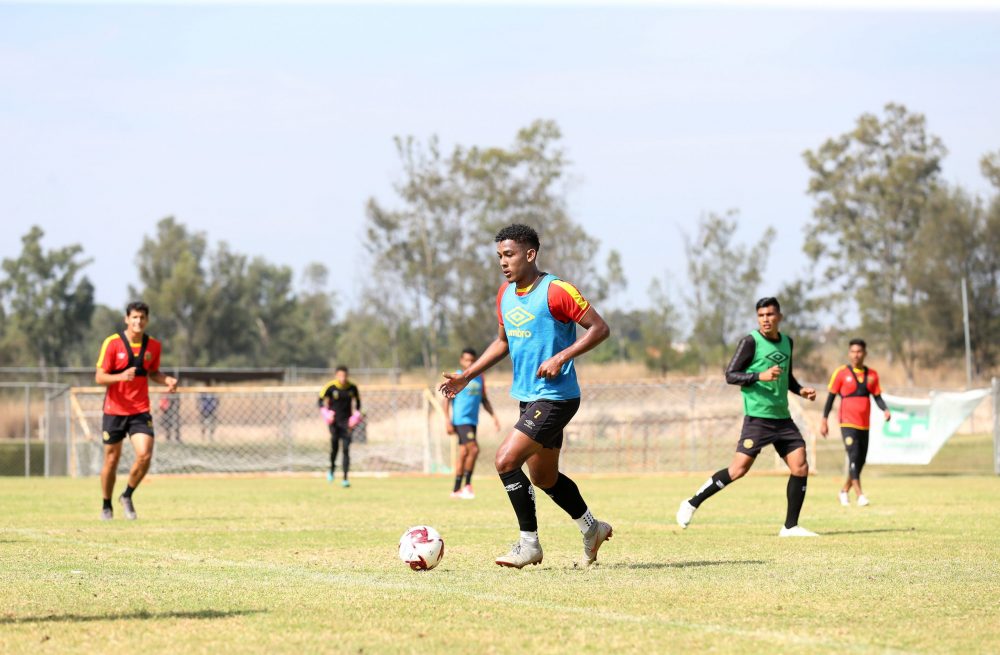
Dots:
{"x": 141, "y": 615}
{"x": 685, "y": 565}
{"x": 872, "y": 531}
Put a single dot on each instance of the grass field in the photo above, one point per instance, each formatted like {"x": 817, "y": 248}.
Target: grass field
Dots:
{"x": 294, "y": 565}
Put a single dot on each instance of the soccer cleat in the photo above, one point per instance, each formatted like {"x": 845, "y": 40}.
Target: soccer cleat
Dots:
{"x": 456, "y": 494}
{"x": 329, "y": 476}
{"x": 796, "y": 531}
{"x": 345, "y": 483}
{"x": 467, "y": 492}
{"x": 684, "y": 513}
{"x": 845, "y": 500}
{"x": 521, "y": 554}
{"x": 126, "y": 503}
{"x": 862, "y": 500}
{"x": 596, "y": 535}
{"x": 107, "y": 514}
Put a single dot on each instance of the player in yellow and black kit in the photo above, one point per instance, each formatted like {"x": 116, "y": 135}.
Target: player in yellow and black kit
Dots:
{"x": 857, "y": 385}
{"x": 338, "y": 396}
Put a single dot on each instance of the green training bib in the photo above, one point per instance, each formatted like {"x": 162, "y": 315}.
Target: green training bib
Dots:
{"x": 768, "y": 399}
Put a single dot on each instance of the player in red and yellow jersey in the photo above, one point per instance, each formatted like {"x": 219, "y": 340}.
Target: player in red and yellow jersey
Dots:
{"x": 856, "y": 384}
{"x": 128, "y": 360}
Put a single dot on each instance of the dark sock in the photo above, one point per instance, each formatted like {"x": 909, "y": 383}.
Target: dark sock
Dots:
{"x": 522, "y": 497}
{"x": 566, "y": 495}
{"x": 714, "y": 485}
{"x": 107, "y": 503}
{"x": 458, "y": 483}
{"x": 128, "y": 491}
{"x": 468, "y": 477}
{"x": 796, "y": 493}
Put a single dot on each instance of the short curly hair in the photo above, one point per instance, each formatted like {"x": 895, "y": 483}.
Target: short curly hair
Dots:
{"x": 519, "y": 233}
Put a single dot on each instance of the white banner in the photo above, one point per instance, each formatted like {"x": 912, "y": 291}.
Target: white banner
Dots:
{"x": 919, "y": 427}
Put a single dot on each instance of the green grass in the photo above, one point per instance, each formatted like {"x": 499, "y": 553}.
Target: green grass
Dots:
{"x": 294, "y": 565}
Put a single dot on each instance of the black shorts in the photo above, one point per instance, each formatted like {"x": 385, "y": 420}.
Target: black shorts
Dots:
{"x": 544, "y": 420}
{"x": 466, "y": 434}
{"x": 782, "y": 433}
{"x": 116, "y": 428}
{"x": 856, "y": 445}
{"x": 341, "y": 431}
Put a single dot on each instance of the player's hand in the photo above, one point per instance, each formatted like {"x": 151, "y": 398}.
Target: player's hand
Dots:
{"x": 449, "y": 428}
{"x": 824, "y": 428}
{"x": 171, "y": 383}
{"x": 454, "y": 385}
{"x": 888, "y": 415}
{"x": 808, "y": 393}
{"x": 770, "y": 375}
{"x": 129, "y": 374}
{"x": 550, "y": 368}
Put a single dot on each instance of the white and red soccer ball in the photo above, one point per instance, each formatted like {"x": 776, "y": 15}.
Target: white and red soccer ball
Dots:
{"x": 421, "y": 547}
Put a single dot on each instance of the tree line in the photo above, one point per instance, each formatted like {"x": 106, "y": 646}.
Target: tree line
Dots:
{"x": 889, "y": 241}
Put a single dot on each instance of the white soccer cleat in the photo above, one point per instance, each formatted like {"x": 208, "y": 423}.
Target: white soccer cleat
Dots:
{"x": 467, "y": 493}
{"x": 521, "y": 554}
{"x": 596, "y": 535}
{"x": 862, "y": 500}
{"x": 845, "y": 500}
{"x": 456, "y": 494}
{"x": 796, "y": 531}
{"x": 684, "y": 513}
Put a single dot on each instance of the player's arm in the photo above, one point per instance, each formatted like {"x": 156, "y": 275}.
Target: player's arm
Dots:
{"x": 357, "y": 399}
{"x": 736, "y": 372}
{"x": 488, "y": 406}
{"x": 596, "y": 331}
{"x": 449, "y": 427}
{"x": 496, "y": 351}
{"x": 103, "y": 377}
{"x": 160, "y": 377}
{"x": 875, "y": 388}
{"x": 793, "y": 385}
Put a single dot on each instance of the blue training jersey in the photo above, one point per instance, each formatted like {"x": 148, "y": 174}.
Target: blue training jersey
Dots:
{"x": 465, "y": 404}
{"x": 534, "y": 335}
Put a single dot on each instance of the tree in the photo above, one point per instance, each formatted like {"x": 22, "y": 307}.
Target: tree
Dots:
{"x": 436, "y": 250}
{"x": 46, "y": 303}
{"x": 171, "y": 270}
{"x": 873, "y": 186}
{"x": 659, "y": 331}
{"x": 958, "y": 243}
{"x": 723, "y": 279}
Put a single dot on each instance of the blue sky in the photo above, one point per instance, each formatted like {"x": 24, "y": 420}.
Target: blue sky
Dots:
{"x": 270, "y": 126}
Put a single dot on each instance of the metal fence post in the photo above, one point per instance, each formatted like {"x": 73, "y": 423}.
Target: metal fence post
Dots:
{"x": 27, "y": 431}
{"x": 996, "y": 425}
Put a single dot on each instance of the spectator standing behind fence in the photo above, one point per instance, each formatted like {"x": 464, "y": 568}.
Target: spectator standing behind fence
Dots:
{"x": 170, "y": 407}
{"x": 128, "y": 360}
{"x": 856, "y": 384}
{"x": 208, "y": 407}
{"x": 337, "y": 396}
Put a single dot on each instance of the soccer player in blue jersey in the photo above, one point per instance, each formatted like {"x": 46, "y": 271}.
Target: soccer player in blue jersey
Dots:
{"x": 462, "y": 419}
{"x": 538, "y": 314}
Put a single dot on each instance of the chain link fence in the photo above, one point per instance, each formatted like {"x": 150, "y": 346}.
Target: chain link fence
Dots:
{"x": 622, "y": 427}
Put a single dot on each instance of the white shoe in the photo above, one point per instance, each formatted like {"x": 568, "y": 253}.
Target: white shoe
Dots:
{"x": 521, "y": 554}
{"x": 796, "y": 531}
{"x": 467, "y": 493}
{"x": 684, "y": 513}
{"x": 862, "y": 500}
{"x": 845, "y": 499}
{"x": 592, "y": 540}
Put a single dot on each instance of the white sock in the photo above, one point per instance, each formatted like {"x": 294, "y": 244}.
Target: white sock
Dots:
{"x": 585, "y": 521}
{"x": 529, "y": 536}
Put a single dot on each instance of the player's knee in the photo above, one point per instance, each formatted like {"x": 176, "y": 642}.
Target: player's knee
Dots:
{"x": 544, "y": 480}
{"x": 800, "y": 469}
{"x": 144, "y": 457}
{"x": 737, "y": 472}
{"x": 472, "y": 450}
{"x": 504, "y": 462}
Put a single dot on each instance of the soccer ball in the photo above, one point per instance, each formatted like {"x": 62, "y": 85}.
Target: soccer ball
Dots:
{"x": 421, "y": 547}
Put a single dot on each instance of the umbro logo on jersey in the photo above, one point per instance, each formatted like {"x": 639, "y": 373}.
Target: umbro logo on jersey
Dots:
{"x": 518, "y": 316}
{"x": 777, "y": 357}
{"x": 121, "y": 355}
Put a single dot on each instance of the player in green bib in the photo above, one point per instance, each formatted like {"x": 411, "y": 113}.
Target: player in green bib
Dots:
{"x": 762, "y": 367}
